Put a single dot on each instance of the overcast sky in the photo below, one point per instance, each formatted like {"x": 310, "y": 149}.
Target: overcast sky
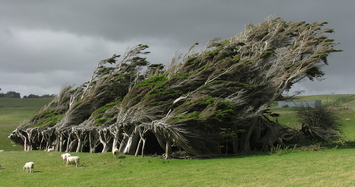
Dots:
{"x": 45, "y": 45}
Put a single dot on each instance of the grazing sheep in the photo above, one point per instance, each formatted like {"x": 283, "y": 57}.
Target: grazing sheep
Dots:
{"x": 50, "y": 149}
{"x": 73, "y": 159}
{"x": 64, "y": 156}
{"x": 29, "y": 165}
{"x": 1, "y": 151}
{"x": 115, "y": 152}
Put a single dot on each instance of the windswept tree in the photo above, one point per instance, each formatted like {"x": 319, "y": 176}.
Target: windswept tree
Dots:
{"x": 211, "y": 102}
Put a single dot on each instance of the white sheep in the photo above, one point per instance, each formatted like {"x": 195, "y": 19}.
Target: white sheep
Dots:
{"x": 29, "y": 165}
{"x": 64, "y": 156}
{"x": 115, "y": 152}
{"x": 73, "y": 159}
{"x": 1, "y": 151}
{"x": 50, "y": 149}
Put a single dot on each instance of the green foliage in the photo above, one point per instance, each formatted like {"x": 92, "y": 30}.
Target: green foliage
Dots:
{"x": 162, "y": 94}
{"x": 211, "y": 54}
{"x": 224, "y": 42}
{"x": 216, "y": 112}
{"x": 100, "y": 121}
{"x": 231, "y": 84}
{"x": 103, "y": 109}
{"x": 192, "y": 60}
{"x": 185, "y": 75}
{"x": 320, "y": 116}
{"x": 49, "y": 120}
{"x": 157, "y": 80}
{"x": 196, "y": 115}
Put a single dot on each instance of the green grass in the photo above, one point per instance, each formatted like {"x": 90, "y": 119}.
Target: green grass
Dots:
{"x": 288, "y": 117}
{"x": 28, "y": 102}
{"x": 343, "y": 100}
{"x": 332, "y": 167}
{"x": 301, "y": 168}
{"x": 14, "y": 112}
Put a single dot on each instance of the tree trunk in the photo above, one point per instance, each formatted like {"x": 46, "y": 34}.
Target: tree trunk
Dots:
{"x": 115, "y": 132}
{"x": 134, "y": 144}
{"x": 168, "y": 149}
{"x": 246, "y": 146}
{"x": 29, "y": 143}
{"x": 138, "y": 147}
{"x": 143, "y": 147}
{"x": 93, "y": 140}
{"x": 227, "y": 146}
{"x": 72, "y": 146}
{"x": 60, "y": 142}
{"x": 68, "y": 142}
{"x": 79, "y": 139}
{"x": 105, "y": 138}
{"x": 42, "y": 140}
{"x": 235, "y": 146}
{"x": 123, "y": 143}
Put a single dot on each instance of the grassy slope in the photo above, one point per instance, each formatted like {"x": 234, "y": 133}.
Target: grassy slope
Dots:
{"x": 340, "y": 102}
{"x": 13, "y": 112}
{"x": 301, "y": 168}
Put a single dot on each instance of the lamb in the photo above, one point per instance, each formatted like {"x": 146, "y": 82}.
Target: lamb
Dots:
{"x": 29, "y": 165}
{"x": 73, "y": 159}
{"x": 115, "y": 152}
{"x": 64, "y": 156}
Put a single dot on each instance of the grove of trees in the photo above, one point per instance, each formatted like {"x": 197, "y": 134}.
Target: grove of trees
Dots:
{"x": 207, "y": 103}
{"x": 10, "y": 94}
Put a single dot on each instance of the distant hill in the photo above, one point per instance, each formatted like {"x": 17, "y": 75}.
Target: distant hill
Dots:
{"x": 336, "y": 100}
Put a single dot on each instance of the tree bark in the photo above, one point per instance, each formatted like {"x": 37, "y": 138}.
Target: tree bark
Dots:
{"x": 79, "y": 139}
{"x": 93, "y": 140}
{"x": 168, "y": 149}
{"x": 246, "y": 146}
{"x": 105, "y": 138}
{"x": 138, "y": 147}
{"x": 115, "y": 132}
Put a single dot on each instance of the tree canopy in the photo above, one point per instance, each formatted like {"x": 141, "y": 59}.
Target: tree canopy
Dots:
{"x": 206, "y": 103}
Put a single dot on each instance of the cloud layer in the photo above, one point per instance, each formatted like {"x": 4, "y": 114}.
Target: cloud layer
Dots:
{"x": 47, "y": 44}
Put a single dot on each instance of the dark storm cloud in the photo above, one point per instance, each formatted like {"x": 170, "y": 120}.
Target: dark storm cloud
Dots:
{"x": 45, "y": 44}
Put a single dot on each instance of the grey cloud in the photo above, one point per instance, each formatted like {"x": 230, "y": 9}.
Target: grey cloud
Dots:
{"x": 67, "y": 39}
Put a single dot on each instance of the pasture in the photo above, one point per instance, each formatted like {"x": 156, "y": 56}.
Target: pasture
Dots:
{"x": 332, "y": 167}
{"x": 293, "y": 167}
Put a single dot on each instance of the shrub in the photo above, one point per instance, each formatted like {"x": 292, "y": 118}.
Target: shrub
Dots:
{"x": 320, "y": 123}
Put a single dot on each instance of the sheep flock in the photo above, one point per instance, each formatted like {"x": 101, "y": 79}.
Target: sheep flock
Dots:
{"x": 66, "y": 157}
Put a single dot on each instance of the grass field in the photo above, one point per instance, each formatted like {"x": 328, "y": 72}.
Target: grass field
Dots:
{"x": 330, "y": 167}
{"x": 300, "y": 168}
{"x": 338, "y": 100}
{"x": 14, "y": 112}
{"x": 288, "y": 117}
